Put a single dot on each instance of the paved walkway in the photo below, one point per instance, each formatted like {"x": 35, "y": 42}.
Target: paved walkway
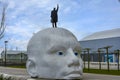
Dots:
{"x": 86, "y": 76}
{"x": 13, "y": 71}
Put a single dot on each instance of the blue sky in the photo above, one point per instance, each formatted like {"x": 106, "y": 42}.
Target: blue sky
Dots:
{"x": 81, "y": 17}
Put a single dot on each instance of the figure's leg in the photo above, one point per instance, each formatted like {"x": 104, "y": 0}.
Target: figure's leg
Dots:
{"x": 55, "y": 25}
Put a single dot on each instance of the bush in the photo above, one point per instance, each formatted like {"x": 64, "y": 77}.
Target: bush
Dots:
{"x": 1, "y": 77}
{"x": 6, "y": 78}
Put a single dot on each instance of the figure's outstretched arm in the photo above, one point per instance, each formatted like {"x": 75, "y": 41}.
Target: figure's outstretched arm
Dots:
{"x": 57, "y": 7}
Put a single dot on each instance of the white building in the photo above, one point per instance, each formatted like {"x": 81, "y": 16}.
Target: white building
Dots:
{"x": 100, "y": 40}
{"x": 14, "y": 56}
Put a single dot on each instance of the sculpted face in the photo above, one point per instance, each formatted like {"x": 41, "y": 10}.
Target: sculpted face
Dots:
{"x": 54, "y": 53}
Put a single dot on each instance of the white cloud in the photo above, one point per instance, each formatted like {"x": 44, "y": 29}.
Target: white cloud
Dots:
{"x": 25, "y": 17}
{"x": 11, "y": 5}
{"x": 17, "y": 43}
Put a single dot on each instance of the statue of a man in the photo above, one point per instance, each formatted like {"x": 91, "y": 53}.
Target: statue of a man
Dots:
{"x": 54, "y": 17}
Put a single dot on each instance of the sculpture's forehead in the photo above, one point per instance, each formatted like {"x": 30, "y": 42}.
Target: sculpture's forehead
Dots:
{"x": 63, "y": 47}
{"x": 66, "y": 42}
{"x": 53, "y": 32}
{"x": 54, "y": 37}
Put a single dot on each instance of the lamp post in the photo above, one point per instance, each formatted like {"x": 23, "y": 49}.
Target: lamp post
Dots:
{"x": 5, "y": 51}
{"x": 107, "y": 47}
{"x": 22, "y": 57}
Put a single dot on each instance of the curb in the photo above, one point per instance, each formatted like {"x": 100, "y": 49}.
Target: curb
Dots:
{"x": 4, "y": 76}
{"x": 11, "y": 77}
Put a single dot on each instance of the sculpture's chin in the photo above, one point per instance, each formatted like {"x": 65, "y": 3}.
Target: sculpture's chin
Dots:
{"x": 73, "y": 76}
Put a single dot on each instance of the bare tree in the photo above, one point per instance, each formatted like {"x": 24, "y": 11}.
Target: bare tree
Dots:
{"x": 2, "y": 21}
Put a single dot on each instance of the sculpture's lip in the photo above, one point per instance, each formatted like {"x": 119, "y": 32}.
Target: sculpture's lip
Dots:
{"x": 74, "y": 75}
{"x": 74, "y": 72}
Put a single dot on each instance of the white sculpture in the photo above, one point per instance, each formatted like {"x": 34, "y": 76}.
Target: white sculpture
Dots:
{"x": 54, "y": 53}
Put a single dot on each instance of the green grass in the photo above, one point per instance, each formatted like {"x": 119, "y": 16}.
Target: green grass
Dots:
{"x": 97, "y": 71}
{"x": 17, "y": 66}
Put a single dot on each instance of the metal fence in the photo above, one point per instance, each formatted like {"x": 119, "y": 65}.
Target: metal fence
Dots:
{"x": 99, "y": 61}
{"x": 14, "y": 62}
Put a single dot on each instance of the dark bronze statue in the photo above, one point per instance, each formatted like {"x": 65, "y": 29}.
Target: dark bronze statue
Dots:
{"x": 54, "y": 17}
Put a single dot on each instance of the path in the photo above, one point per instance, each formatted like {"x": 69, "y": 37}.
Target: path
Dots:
{"x": 86, "y": 76}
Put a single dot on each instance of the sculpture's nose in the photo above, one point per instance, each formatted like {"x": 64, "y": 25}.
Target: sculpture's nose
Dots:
{"x": 74, "y": 63}
{"x": 73, "y": 59}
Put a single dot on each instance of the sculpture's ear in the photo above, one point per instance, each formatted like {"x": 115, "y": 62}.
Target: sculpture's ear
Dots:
{"x": 31, "y": 68}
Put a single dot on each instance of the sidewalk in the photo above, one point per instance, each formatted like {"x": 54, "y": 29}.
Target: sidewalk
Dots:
{"x": 23, "y": 73}
{"x": 88, "y": 76}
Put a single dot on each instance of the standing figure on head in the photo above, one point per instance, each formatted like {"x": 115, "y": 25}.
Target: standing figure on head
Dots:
{"x": 54, "y": 17}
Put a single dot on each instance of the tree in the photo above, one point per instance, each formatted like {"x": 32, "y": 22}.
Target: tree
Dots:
{"x": 2, "y": 21}
{"x": 107, "y": 47}
{"x": 88, "y": 51}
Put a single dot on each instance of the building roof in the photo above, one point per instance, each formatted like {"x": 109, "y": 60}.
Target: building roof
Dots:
{"x": 14, "y": 52}
{"x": 103, "y": 34}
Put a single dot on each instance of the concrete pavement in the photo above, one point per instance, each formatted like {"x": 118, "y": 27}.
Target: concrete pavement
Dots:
{"x": 88, "y": 76}
{"x": 23, "y": 73}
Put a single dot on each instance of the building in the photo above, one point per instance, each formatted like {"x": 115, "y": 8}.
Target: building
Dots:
{"x": 100, "y": 40}
{"x": 13, "y": 56}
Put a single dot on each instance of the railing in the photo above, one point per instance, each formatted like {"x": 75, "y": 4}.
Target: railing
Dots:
{"x": 95, "y": 65}
{"x": 12, "y": 62}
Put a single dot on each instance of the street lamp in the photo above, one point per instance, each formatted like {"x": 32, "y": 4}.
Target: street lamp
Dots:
{"x": 5, "y": 50}
{"x": 22, "y": 56}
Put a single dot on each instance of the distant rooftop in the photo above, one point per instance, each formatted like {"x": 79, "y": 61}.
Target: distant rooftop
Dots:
{"x": 14, "y": 52}
{"x": 103, "y": 34}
